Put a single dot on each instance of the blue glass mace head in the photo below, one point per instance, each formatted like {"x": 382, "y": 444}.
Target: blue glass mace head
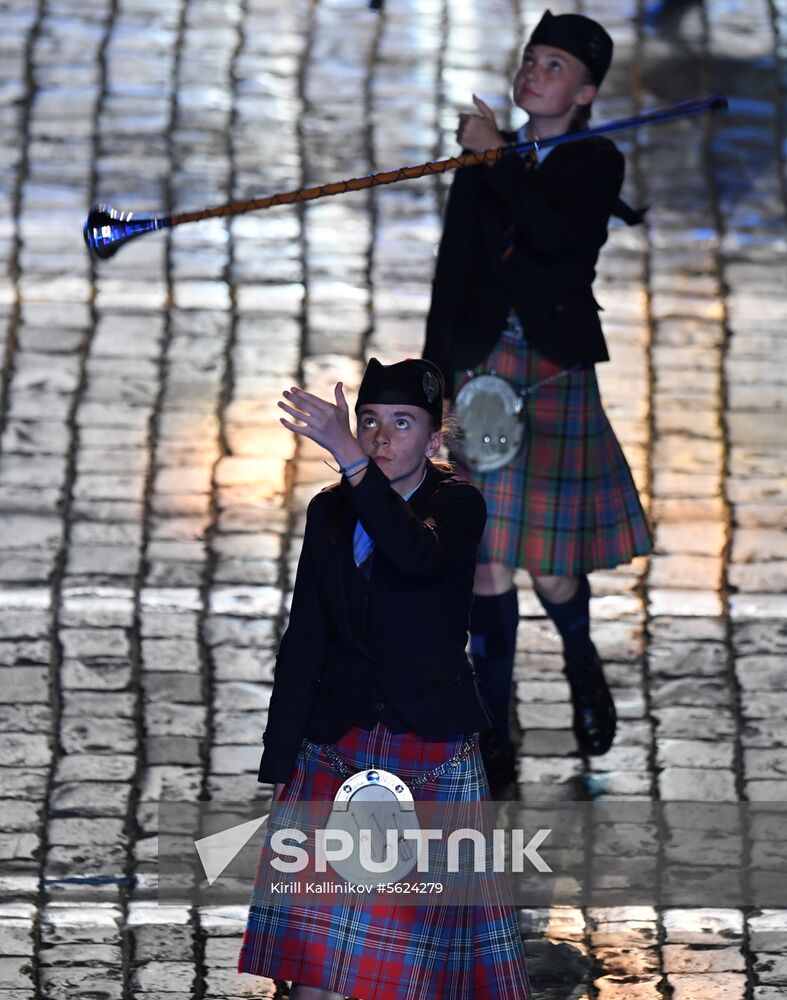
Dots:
{"x": 106, "y": 229}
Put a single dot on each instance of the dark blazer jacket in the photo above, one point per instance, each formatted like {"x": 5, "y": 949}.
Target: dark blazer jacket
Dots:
{"x": 406, "y": 630}
{"x": 559, "y": 211}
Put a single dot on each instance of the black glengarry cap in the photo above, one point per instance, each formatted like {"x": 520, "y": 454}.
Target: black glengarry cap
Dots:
{"x": 581, "y": 36}
{"x": 414, "y": 382}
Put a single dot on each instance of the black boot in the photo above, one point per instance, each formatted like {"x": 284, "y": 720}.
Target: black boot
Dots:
{"x": 493, "y": 625}
{"x": 595, "y": 720}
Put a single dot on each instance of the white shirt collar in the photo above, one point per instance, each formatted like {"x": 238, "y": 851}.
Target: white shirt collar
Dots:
{"x": 521, "y": 137}
{"x": 408, "y": 495}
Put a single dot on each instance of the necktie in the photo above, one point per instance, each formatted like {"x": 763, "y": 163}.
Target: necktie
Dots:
{"x": 363, "y": 548}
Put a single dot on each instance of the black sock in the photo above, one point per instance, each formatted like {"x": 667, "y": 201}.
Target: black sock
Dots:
{"x": 572, "y": 620}
{"x": 493, "y": 624}
{"x": 572, "y": 617}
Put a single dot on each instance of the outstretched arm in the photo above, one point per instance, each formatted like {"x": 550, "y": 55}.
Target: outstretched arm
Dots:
{"x": 551, "y": 226}
{"x": 325, "y": 423}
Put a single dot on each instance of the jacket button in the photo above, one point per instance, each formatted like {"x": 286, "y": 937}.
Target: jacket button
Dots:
{"x": 380, "y": 705}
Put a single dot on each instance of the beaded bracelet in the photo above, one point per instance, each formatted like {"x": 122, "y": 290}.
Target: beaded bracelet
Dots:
{"x": 349, "y": 475}
{"x": 354, "y": 465}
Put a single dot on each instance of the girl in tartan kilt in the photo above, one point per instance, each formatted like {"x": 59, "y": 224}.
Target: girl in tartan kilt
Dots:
{"x": 513, "y": 295}
{"x": 372, "y": 672}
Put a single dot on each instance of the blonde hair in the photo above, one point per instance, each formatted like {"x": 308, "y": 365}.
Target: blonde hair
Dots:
{"x": 449, "y": 428}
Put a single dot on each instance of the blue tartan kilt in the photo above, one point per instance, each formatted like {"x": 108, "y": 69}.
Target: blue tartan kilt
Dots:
{"x": 567, "y": 504}
{"x": 384, "y": 951}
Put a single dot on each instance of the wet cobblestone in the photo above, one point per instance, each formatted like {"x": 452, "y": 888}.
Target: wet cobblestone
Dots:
{"x": 151, "y": 509}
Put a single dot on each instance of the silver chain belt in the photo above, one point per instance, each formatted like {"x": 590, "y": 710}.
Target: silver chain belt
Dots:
{"x": 525, "y": 390}
{"x": 344, "y": 771}
{"x": 530, "y": 389}
{"x": 515, "y": 333}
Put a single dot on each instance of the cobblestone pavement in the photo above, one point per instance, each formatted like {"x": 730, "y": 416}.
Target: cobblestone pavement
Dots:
{"x": 151, "y": 506}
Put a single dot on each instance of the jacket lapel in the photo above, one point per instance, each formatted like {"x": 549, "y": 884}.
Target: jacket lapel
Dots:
{"x": 351, "y": 590}
{"x": 420, "y": 502}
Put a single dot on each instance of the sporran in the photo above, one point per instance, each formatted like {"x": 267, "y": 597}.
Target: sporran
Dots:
{"x": 373, "y": 809}
{"x": 368, "y": 805}
{"x": 491, "y": 417}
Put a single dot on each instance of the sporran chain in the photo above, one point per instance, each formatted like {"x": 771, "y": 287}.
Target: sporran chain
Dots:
{"x": 422, "y": 779}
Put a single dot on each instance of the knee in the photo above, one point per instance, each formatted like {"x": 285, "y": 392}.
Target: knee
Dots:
{"x": 492, "y": 579}
{"x": 556, "y": 589}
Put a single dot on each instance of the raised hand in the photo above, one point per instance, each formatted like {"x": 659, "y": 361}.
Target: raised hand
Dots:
{"x": 479, "y": 132}
{"x": 325, "y": 423}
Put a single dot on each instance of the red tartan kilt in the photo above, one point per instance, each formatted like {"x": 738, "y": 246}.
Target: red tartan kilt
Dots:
{"x": 567, "y": 504}
{"x": 389, "y": 952}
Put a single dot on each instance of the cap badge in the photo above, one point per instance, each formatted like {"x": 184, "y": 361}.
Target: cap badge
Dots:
{"x": 431, "y": 386}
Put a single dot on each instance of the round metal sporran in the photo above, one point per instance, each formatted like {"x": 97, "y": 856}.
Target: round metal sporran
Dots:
{"x": 368, "y": 805}
{"x": 490, "y": 413}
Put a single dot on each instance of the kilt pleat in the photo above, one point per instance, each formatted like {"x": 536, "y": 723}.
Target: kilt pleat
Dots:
{"x": 383, "y": 951}
{"x": 567, "y": 504}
